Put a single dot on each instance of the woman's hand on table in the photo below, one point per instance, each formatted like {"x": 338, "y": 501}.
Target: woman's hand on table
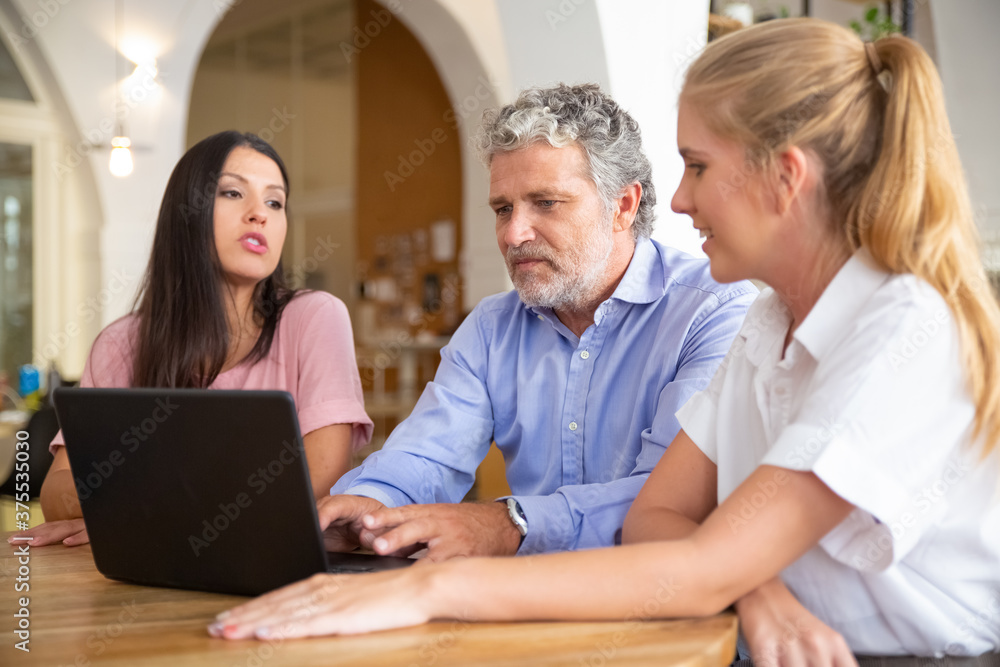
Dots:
{"x": 783, "y": 633}
{"x": 334, "y": 604}
{"x": 71, "y": 532}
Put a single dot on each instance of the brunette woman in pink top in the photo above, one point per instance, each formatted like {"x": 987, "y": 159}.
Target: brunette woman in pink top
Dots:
{"x": 214, "y": 312}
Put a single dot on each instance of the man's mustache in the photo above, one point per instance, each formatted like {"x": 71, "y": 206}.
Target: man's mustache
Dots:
{"x": 526, "y": 251}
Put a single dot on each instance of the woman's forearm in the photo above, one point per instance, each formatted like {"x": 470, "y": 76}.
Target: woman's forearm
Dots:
{"x": 652, "y": 580}
{"x": 328, "y": 454}
{"x": 624, "y": 584}
{"x": 705, "y": 572}
{"x": 58, "y": 496}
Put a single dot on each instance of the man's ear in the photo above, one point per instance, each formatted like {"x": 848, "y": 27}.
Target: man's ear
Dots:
{"x": 626, "y": 207}
{"x": 795, "y": 172}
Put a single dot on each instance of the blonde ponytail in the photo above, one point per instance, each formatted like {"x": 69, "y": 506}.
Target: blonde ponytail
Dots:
{"x": 926, "y": 227}
{"x": 874, "y": 115}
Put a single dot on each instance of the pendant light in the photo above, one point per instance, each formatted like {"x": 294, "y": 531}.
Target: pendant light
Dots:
{"x": 121, "y": 153}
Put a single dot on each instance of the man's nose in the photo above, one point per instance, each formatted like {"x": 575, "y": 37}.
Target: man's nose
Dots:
{"x": 520, "y": 228}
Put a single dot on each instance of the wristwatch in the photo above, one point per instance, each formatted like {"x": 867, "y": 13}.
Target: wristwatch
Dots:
{"x": 517, "y": 517}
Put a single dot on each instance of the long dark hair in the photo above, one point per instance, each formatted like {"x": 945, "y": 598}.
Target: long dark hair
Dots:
{"x": 183, "y": 337}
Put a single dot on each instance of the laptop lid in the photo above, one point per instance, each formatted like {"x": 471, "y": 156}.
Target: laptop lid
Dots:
{"x": 193, "y": 488}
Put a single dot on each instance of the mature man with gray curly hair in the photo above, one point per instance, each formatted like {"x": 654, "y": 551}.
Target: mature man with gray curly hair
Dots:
{"x": 576, "y": 375}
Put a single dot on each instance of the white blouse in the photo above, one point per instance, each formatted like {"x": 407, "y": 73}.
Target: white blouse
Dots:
{"x": 871, "y": 397}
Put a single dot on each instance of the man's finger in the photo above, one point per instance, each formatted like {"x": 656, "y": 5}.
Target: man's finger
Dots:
{"x": 331, "y": 508}
{"x": 389, "y": 517}
{"x": 366, "y": 537}
{"x": 408, "y": 534}
{"x": 344, "y": 509}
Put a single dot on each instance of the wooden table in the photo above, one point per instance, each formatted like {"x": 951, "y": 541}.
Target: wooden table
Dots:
{"x": 77, "y": 617}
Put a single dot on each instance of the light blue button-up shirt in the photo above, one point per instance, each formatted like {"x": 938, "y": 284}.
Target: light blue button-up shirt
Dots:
{"x": 580, "y": 421}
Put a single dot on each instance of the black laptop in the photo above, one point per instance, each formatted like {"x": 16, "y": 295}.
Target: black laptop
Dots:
{"x": 198, "y": 489}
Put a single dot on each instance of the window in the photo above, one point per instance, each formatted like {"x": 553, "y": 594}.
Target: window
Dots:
{"x": 15, "y": 258}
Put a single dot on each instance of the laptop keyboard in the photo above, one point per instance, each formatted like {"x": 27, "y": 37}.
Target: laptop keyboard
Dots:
{"x": 349, "y": 569}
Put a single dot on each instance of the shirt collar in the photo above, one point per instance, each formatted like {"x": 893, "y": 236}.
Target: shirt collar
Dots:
{"x": 644, "y": 280}
{"x": 840, "y": 302}
{"x": 765, "y": 326}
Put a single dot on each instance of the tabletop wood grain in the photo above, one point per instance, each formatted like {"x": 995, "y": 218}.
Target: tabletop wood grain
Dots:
{"x": 78, "y": 617}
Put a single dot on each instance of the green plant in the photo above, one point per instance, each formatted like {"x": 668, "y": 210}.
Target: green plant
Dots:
{"x": 876, "y": 25}
{"x": 781, "y": 13}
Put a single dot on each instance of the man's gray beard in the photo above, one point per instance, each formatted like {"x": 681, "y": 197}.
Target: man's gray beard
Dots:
{"x": 578, "y": 277}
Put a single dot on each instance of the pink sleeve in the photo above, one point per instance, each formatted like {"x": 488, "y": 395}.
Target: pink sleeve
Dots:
{"x": 109, "y": 363}
{"x": 329, "y": 386}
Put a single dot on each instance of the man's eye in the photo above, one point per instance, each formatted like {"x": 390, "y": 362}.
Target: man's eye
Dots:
{"x": 698, "y": 168}
{"x": 547, "y": 203}
{"x": 503, "y": 210}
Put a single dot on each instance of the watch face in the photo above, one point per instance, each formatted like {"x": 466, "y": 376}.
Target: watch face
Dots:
{"x": 517, "y": 516}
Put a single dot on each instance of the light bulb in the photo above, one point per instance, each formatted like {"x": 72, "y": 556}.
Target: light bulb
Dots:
{"x": 11, "y": 206}
{"x": 121, "y": 157}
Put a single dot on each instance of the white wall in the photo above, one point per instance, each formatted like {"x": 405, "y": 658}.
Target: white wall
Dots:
{"x": 649, "y": 44}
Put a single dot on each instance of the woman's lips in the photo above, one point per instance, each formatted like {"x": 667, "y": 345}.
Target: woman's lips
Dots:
{"x": 255, "y": 243}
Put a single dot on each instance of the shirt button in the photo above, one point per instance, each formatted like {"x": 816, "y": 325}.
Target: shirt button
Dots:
{"x": 572, "y": 426}
{"x": 540, "y": 317}
{"x": 585, "y": 355}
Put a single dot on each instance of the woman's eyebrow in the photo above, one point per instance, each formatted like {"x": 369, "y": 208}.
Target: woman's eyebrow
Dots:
{"x": 690, "y": 152}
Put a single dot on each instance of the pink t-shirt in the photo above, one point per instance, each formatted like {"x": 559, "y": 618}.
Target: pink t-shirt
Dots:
{"x": 311, "y": 357}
